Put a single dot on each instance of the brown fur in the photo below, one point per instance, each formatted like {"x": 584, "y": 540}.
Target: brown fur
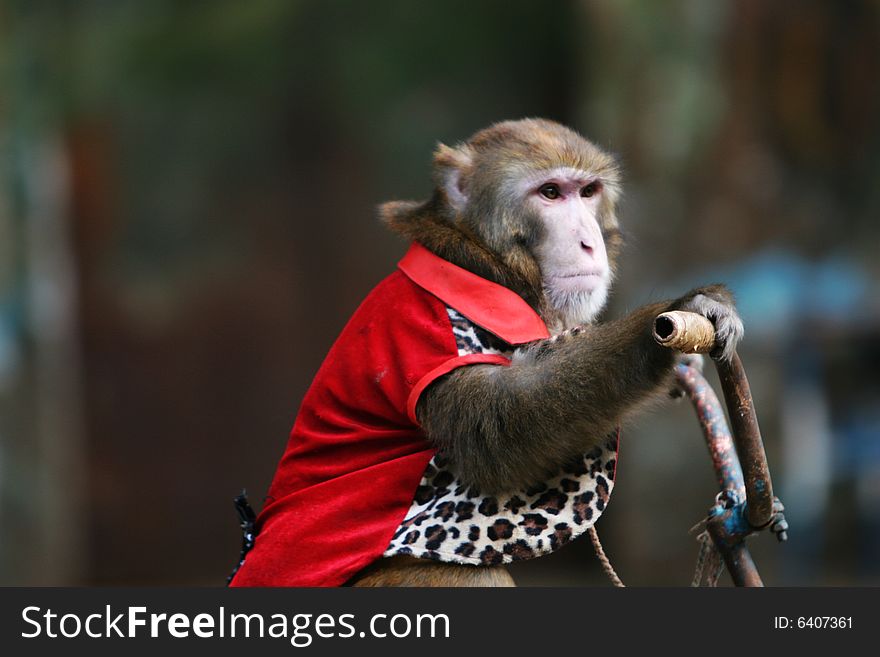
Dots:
{"x": 507, "y": 427}
{"x": 408, "y": 571}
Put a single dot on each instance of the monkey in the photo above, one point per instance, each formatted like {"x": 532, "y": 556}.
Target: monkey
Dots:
{"x": 506, "y": 449}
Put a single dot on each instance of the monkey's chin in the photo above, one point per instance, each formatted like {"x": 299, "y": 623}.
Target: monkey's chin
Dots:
{"x": 578, "y": 307}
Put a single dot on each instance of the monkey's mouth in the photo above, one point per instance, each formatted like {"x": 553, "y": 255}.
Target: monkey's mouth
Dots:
{"x": 576, "y": 276}
{"x": 580, "y": 274}
{"x": 579, "y": 281}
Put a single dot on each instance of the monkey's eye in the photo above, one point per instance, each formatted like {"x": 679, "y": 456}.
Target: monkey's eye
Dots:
{"x": 550, "y": 191}
{"x": 590, "y": 190}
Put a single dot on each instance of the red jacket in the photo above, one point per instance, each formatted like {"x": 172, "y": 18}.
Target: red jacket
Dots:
{"x": 356, "y": 455}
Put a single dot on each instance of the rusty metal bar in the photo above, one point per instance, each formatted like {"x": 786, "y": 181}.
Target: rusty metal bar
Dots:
{"x": 735, "y": 554}
{"x": 715, "y": 430}
{"x": 747, "y": 435}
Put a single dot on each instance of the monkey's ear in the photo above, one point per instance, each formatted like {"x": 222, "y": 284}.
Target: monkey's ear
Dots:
{"x": 451, "y": 168}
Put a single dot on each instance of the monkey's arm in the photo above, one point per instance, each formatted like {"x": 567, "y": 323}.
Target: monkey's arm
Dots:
{"x": 510, "y": 426}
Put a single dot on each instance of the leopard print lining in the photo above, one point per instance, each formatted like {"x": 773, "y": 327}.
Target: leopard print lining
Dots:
{"x": 449, "y": 521}
{"x": 471, "y": 339}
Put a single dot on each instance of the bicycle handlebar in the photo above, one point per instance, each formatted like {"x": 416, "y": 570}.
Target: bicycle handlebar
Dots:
{"x": 686, "y": 332}
{"x": 692, "y": 333}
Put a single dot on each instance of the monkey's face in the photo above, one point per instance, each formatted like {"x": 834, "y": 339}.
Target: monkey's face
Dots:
{"x": 566, "y": 203}
{"x": 536, "y": 190}
{"x": 540, "y": 199}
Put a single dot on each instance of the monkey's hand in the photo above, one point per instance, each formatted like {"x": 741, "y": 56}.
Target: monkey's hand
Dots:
{"x": 715, "y": 302}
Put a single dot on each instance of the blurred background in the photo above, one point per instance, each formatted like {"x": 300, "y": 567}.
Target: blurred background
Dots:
{"x": 187, "y": 220}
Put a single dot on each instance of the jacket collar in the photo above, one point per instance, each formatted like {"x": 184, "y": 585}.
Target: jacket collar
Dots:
{"x": 495, "y": 308}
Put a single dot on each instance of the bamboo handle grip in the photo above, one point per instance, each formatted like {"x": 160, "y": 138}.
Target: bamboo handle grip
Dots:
{"x": 687, "y": 332}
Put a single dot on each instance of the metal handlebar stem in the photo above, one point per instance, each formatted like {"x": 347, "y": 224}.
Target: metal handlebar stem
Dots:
{"x": 746, "y": 503}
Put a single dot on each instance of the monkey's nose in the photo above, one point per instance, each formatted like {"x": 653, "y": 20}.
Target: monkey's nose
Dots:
{"x": 586, "y": 247}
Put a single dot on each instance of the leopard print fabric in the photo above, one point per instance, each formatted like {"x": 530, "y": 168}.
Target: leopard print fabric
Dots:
{"x": 451, "y": 522}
